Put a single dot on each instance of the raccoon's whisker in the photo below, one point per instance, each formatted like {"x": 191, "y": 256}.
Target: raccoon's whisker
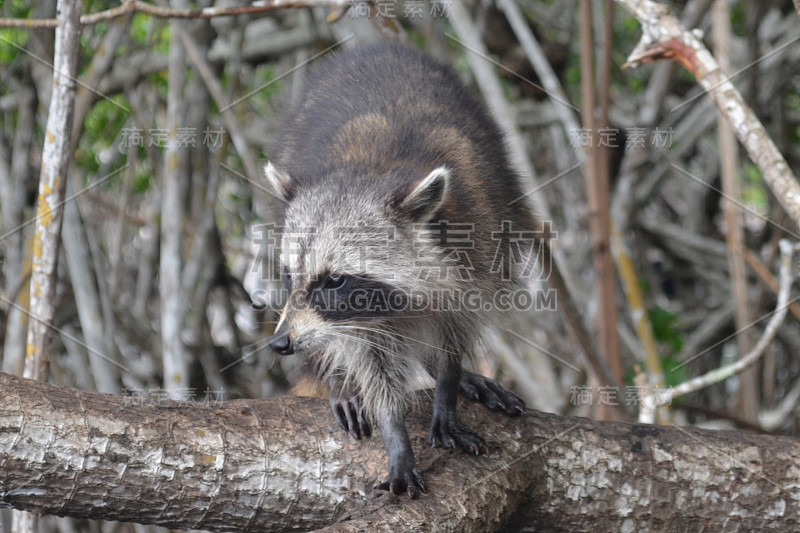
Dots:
{"x": 257, "y": 345}
{"x": 394, "y": 380}
{"x": 397, "y": 334}
{"x": 359, "y": 339}
{"x": 381, "y": 347}
{"x": 367, "y": 342}
{"x": 369, "y": 331}
{"x": 412, "y": 339}
{"x": 275, "y": 358}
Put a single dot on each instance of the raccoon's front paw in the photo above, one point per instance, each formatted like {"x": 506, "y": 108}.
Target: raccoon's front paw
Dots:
{"x": 450, "y": 434}
{"x": 491, "y": 394}
{"x": 350, "y": 414}
{"x": 406, "y": 479}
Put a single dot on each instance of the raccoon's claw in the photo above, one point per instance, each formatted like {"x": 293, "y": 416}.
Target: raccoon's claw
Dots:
{"x": 451, "y": 434}
{"x": 410, "y": 482}
{"x": 491, "y": 394}
{"x": 350, "y": 415}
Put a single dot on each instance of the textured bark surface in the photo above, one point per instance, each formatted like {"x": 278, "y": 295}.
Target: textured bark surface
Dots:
{"x": 52, "y": 185}
{"x": 173, "y": 209}
{"x": 283, "y": 465}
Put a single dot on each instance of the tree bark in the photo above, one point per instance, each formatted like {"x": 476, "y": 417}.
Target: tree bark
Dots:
{"x": 597, "y": 194}
{"x": 56, "y": 155}
{"x": 748, "y": 394}
{"x": 282, "y": 464}
{"x": 175, "y": 360}
{"x": 52, "y": 185}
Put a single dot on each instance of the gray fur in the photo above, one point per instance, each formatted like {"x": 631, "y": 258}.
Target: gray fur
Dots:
{"x": 385, "y": 141}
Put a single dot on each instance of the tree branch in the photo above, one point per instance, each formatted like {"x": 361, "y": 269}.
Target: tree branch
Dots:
{"x": 664, "y": 37}
{"x": 745, "y": 361}
{"x": 282, "y": 464}
{"x": 135, "y": 6}
{"x": 52, "y": 186}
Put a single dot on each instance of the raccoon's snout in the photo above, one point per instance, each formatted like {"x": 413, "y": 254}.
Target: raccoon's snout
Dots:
{"x": 281, "y": 343}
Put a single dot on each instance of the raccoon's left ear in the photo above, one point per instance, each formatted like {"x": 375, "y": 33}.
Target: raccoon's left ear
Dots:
{"x": 280, "y": 183}
{"x": 427, "y": 195}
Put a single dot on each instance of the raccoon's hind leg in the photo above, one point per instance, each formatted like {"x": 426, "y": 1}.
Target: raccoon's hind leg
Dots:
{"x": 347, "y": 409}
{"x": 491, "y": 394}
{"x": 445, "y": 429}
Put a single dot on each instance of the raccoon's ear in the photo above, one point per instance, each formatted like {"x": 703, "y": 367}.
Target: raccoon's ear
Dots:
{"x": 427, "y": 195}
{"x": 280, "y": 183}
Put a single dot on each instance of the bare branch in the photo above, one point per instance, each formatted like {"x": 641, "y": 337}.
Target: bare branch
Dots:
{"x": 734, "y": 232}
{"x": 129, "y": 7}
{"x": 550, "y": 82}
{"x": 52, "y": 187}
{"x": 664, "y": 37}
{"x": 723, "y": 373}
{"x": 491, "y": 88}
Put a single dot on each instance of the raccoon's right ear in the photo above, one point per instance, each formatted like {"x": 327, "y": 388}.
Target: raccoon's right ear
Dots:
{"x": 280, "y": 183}
{"x": 427, "y": 195}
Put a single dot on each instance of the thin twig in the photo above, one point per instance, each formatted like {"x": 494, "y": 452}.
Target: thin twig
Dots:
{"x": 665, "y": 38}
{"x": 135, "y": 6}
{"x": 715, "y": 376}
{"x": 767, "y": 278}
{"x": 734, "y": 233}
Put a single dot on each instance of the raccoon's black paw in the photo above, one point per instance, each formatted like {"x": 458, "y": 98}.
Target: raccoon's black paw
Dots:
{"x": 491, "y": 394}
{"x": 450, "y": 434}
{"x": 404, "y": 479}
{"x": 349, "y": 414}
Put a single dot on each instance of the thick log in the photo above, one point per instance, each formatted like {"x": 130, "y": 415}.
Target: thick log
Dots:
{"x": 283, "y": 465}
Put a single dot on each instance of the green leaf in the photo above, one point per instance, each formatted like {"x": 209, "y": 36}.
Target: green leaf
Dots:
{"x": 665, "y": 328}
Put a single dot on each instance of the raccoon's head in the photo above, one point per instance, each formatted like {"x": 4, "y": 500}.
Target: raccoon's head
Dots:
{"x": 348, "y": 253}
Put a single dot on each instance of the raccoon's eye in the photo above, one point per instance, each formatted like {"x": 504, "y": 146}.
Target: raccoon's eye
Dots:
{"x": 335, "y": 281}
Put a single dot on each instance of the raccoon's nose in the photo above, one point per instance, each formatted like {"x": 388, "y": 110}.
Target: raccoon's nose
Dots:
{"x": 281, "y": 343}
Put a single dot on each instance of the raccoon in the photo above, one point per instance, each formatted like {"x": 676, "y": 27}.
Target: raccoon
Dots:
{"x": 397, "y": 190}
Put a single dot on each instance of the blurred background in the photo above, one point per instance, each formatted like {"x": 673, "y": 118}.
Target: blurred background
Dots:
{"x": 167, "y": 238}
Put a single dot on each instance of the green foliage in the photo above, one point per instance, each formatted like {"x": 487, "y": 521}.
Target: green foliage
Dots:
{"x": 573, "y": 74}
{"x": 159, "y": 82}
{"x": 645, "y": 284}
{"x": 636, "y": 83}
{"x": 793, "y": 100}
{"x": 665, "y": 328}
{"x": 668, "y": 336}
{"x": 739, "y": 18}
{"x": 674, "y": 372}
{"x": 102, "y": 128}
{"x": 18, "y": 8}
{"x": 754, "y": 193}
{"x": 142, "y": 180}
{"x": 416, "y": 37}
{"x": 264, "y": 80}
{"x": 93, "y": 6}
{"x": 461, "y": 64}
{"x": 147, "y": 32}
{"x": 11, "y": 40}
{"x": 627, "y": 32}
{"x": 630, "y": 25}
